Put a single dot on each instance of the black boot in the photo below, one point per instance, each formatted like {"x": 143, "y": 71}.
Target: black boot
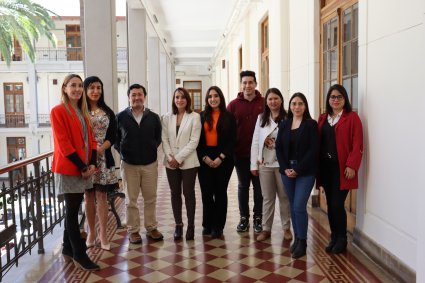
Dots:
{"x": 85, "y": 263}
{"x": 301, "y": 249}
{"x": 67, "y": 252}
{"x": 340, "y": 245}
{"x": 331, "y": 244}
{"x": 190, "y": 233}
{"x": 178, "y": 233}
{"x": 294, "y": 244}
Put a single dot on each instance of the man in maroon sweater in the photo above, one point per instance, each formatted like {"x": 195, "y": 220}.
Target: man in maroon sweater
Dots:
{"x": 246, "y": 107}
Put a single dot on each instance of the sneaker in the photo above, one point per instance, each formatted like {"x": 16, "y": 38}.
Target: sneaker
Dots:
{"x": 258, "y": 225}
{"x": 243, "y": 225}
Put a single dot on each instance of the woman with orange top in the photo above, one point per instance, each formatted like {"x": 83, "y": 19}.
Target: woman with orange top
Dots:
{"x": 215, "y": 152}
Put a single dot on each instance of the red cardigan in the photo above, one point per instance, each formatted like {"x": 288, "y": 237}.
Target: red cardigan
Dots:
{"x": 68, "y": 138}
{"x": 349, "y": 146}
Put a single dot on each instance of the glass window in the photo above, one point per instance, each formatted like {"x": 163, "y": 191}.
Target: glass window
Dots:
{"x": 334, "y": 31}
{"x": 354, "y": 57}
{"x": 340, "y": 34}
{"x": 347, "y": 25}
{"x": 9, "y": 104}
{"x": 334, "y": 64}
{"x": 346, "y": 60}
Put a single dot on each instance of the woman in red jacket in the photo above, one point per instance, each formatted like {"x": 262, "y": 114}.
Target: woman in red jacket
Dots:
{"x": 74, "y": 159}
{"x": 341, "y": 150}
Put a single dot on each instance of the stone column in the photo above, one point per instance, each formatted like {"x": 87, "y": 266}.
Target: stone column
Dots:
{"x": 100, "y": 52}
{"x": 137, "y": 45}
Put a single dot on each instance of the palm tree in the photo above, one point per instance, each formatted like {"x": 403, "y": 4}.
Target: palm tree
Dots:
{"x": 24, "y": 21}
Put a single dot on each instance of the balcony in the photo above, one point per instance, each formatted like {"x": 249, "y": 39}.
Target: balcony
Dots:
{"x": 14, "y": 120}
{"x": 62, "y": 54}
{"x": 69, "y": 54}
{"x": 22, "y": 120}
{"x": 44, "y": 121}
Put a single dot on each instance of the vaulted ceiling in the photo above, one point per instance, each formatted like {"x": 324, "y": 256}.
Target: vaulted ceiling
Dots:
{"x": 191, "y": 30}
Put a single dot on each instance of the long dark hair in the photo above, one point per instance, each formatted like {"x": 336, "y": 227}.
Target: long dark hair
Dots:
{"x": 208, "y": 109}
{"x": 306, "y": 115}
{"x": 347, "y": 105}
{"x": 186, "y": 94}
{"x": 265, "y": 121}
{"x": 101, "y": 102}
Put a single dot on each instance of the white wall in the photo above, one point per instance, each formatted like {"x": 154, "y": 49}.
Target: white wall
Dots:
{"x": 391, "y": 84}
{"x": 391, "y": 101}
{"x": 304, "y": 46}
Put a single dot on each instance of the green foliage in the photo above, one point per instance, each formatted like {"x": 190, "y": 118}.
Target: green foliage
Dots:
{"x": 25, "y": 21}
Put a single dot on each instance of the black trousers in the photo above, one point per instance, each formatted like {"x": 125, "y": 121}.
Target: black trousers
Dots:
{"x": 183, "y": 180}
{"x": 72, "y": 240}
{"x": 214, "y": 182}
{"x": 335, "y": 197}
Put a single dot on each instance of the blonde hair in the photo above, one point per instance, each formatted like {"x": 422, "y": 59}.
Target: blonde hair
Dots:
{"x": 82, "y": 102}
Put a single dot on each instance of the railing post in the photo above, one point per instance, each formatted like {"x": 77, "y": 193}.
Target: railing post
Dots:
{"x": 38, "y": 207}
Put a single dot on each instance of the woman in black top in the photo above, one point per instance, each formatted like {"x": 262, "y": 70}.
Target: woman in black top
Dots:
{"x": 215, "y": 153}
{"x": 296, "y": 149}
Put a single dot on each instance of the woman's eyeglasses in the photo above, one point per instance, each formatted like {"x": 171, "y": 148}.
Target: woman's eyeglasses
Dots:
{"x": 336, "y": 97}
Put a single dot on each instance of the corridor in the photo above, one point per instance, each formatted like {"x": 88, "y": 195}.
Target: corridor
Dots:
{"x": 235, "y": 258}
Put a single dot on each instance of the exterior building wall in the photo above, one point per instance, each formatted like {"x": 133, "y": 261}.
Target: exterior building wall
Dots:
{"x": 51, "y": 67}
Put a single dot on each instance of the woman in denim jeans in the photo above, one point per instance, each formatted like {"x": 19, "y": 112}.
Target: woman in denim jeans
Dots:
{"x": 296, "y": 149}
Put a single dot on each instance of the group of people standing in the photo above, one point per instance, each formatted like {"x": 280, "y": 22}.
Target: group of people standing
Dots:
{"x": 281, "y": 153}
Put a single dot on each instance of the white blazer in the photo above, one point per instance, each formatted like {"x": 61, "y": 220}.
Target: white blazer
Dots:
{"x": 257, "y": 145}
{"x": 183, "y": 145}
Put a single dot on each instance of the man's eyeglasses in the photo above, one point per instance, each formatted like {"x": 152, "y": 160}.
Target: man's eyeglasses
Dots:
{"x": 336, "y": 97}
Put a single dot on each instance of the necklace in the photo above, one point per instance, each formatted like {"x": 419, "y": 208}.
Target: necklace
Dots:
{"x": 94, "y": 112}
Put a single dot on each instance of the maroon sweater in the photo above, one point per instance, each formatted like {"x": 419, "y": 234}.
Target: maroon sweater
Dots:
{"x": 246, "y": 113}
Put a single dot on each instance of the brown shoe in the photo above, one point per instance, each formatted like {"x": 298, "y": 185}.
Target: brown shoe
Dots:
{"x": 287, "y": 234}
{"x": 264, "y": 235}
{"x": 155, "y": 235}
{"x": 135, "y": 238}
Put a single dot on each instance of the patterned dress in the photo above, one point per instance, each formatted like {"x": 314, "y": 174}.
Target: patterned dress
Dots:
{"x": 104, "y": 179}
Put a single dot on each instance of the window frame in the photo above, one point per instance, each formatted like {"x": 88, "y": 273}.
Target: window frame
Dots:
{"x": 329, "y": 10}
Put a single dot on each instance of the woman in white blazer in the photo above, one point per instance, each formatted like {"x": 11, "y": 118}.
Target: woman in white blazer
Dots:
{"x": 265, "y": 165}
{"x": 181, "y": 130}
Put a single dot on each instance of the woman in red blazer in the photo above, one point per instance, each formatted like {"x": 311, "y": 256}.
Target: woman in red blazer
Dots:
{"x": 74, "y": 159}
{"x": 341, "y": 150}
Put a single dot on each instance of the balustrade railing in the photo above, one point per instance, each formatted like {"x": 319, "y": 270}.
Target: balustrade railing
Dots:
{"x": 29, "y": 208}
{"x": 44, "y": 120}
{"x": 22, "y": 120}
{"x": 14, "y": 120}
{"x": 61, "y": 54}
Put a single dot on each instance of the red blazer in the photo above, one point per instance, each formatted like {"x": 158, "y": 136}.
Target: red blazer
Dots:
{"x": 349, "y": 146}
{"x": 68, "y": 138}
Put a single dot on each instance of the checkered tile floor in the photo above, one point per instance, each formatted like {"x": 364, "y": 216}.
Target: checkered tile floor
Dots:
{"x": 237, "y": 257}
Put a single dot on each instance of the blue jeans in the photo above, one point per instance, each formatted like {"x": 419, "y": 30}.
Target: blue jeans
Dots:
{"x": 243, "y": 169}
{"x": 298, "y": 190}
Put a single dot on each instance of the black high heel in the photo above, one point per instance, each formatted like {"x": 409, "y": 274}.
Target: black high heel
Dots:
{"x": 178, "y": 233}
